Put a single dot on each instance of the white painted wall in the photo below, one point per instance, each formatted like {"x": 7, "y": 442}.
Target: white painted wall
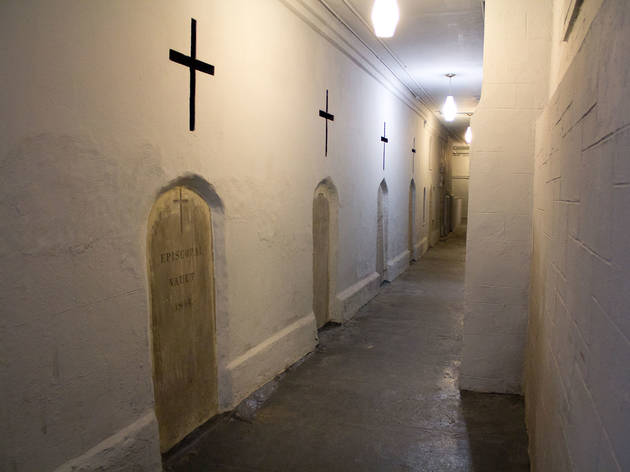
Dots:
{"x": 516, "y": 57}
{"x": 563, "y": 52}
{"x": 95, "y": 123}
{"x": 577, "y": 375}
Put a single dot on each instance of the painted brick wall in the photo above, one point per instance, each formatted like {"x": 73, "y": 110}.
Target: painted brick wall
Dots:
{"x": 577, "y": 374}
{"x": 516, "y": 52}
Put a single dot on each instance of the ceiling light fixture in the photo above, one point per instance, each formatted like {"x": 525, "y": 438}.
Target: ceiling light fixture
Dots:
{"x": 385, "y": 16}
{"x": 449, "y": 110}
{"x": 468, "y": 135}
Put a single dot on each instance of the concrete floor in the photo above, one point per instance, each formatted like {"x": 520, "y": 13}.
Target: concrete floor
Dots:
{"x": 379, "y": 394}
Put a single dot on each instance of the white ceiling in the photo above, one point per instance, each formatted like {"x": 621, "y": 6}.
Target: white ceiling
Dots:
{"x": 433, "y": 38}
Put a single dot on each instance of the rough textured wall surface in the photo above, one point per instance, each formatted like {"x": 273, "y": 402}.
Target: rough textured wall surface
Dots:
{"x": 95, "y": 125}
{"x": 577, "y": 375}
{"x": 516, "y": 52}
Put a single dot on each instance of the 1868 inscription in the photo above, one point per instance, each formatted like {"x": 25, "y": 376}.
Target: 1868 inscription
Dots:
{"x": 182, "y": 313}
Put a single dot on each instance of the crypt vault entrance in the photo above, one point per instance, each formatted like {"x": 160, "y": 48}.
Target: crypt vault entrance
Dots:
{"x": 325, "y": 214}
{"x": 381, "y": 231}
{"x": 412, "y": 221}
{"x": 181, "y": 268}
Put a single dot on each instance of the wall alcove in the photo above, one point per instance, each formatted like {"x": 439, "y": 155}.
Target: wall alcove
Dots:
{"x": 181, "y": 274}
{"x": 381, "y": 231}
{"x": 412, "y": 220}
{"x": 325, "y": 216}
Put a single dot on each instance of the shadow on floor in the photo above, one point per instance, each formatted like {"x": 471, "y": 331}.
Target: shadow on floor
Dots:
{"x": 496, "y": 435}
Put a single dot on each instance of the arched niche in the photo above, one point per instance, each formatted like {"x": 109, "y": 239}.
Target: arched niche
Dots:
{"x": 181, "y": 249}
{"x": 432, "y": 224}
{"x": 325, "y": 233}
{"x": 412, "y": 220}
{"x": 381, "y": 230}
{"x": 424, "y": 206}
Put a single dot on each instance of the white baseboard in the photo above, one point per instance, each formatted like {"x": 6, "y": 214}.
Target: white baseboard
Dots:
{"x": 397, "y": 265}
{"x": 263, "y": 362}
{"x": 135, "y": 447}
{"x": 354, "y": 297}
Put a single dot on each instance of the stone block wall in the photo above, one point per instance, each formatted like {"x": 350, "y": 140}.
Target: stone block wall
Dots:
{"x": 516, "y": 52}
{"x": 577, "y": 374}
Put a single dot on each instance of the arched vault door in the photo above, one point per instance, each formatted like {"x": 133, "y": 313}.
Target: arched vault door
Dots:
{"x": 412, "y": 220}
{"x": 325, "y": 211}
{"x": 180, "y": 260}
{"x": 381, "y": 231}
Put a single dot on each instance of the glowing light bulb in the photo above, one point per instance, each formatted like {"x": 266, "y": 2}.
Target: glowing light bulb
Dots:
{"x": 468, "y": 135}
{"x": 449, "y": 110}
{"x": 385, "y": 16}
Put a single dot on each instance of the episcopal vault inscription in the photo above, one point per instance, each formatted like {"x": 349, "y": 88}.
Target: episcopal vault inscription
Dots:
{"x": 182, "y": 313}
{"x": 321, "y": 256}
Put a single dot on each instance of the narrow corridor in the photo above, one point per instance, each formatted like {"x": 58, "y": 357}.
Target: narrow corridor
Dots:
{"x": 379, "y": 394}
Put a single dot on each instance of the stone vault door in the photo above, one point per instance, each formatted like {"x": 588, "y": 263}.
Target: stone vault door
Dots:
{"x": 325, "y": 211}
{"x": 412, "y": 220}
{"x": 381, "y": 231}
{"x": 180, "y": 264}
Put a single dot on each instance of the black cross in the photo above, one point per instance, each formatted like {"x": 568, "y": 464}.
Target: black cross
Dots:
{"x": 413, "y": 157}
{"x": 194, "y": 64}
{"x": 385, "y": 141}
{"x": 328, "y": 117}
{"x": 181, "y": 214}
